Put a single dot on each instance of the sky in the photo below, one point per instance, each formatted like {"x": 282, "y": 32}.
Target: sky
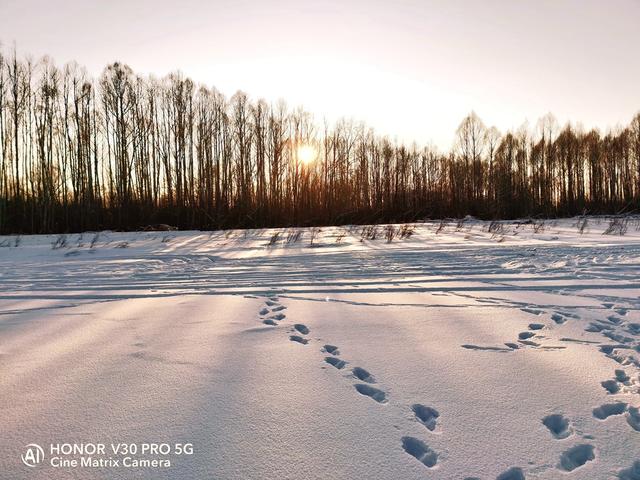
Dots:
{"x": 411, "y": 69}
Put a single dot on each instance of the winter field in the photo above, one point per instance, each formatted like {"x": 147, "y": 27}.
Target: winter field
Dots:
{"x": 455, "y": 350}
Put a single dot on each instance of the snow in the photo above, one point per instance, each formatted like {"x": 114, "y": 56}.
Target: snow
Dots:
{"x": 460, "y": 354}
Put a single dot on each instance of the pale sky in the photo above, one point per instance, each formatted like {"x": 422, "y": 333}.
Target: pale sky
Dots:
{"x": 412, "y": 69}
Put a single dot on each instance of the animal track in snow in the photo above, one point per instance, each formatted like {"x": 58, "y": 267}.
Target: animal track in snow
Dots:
{"x": 631, "y": 473}
{"x": 270, "y": 303}
{"x": 279, "y": 309}
{"x": 369, "y": 391}
{"x": 299, "y": 339}
{"x": 336, "y": 362}
{"x": 614, "y": 320}
{"x": 525, "y": 335}
{"x": 558, "y": 318}
{"x": 558, "y": 425}
{"x": 576, "y": 457}
{"x": 633, "y": 418}
{"x": 428, "y": 416}
{"x": 264, "y": 311}
{"x": 268, "y": 321}
{"x": 597, "y": 328}
{"x": 610, "y": 386}
{"x": 616, "y": 337}
{"x": 332, "y": 349}
{"x": 536, "y": 326}
{"x": 301, "y": 328}
{"x": 634, "y": 328}
{"x": 279, "y": 316}
{"x": 609, "y": 409}
{"x": 363, "y": 375}
{"x": 621, "y": 376}
{"x": 532, "y": 311}
{"x": 420, "y": 451}
{"x": 514, "y": 473}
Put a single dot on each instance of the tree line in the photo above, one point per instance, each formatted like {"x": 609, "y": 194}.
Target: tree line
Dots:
{"x": 123, "y": 152}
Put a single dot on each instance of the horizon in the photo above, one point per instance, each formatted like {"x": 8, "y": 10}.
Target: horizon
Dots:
{"x": 429, "y": 95}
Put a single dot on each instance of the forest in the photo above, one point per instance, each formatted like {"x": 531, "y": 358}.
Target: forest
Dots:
{"x": 123, "y": 152}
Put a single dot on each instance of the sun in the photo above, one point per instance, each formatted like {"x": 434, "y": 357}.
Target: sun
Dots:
{"x": 307, "y": 153}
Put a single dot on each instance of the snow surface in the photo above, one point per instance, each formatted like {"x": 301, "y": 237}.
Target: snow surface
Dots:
{"x": 451, "y": 355}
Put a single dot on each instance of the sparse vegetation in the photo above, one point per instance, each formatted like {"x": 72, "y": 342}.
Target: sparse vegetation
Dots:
{"x": 406, "y": 231}
{"x": 496, "y": 228}
{"x": 274, "y": 239}
{"x": 389, "y": 233}
{"x": 94, "y": 240}
{"x": 618, "y": 225}
{"x": 583, "y": 223}
{"x": 294, "y": 237}
{"x": 369, "y": 232}
{"x": 59, "y": 242}
{"x": 441, "y": 226}
{"x": 313, "y": 234}
{"x": 538, "y": 226}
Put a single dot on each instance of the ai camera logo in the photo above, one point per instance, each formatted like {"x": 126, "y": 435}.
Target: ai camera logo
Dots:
{"x": 33, "y": 456}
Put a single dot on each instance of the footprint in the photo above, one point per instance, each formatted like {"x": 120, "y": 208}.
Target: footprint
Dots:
{"x": 299, "y": 339}
{"x": 362, "y": 374}
{"x": 369, "y": 391}
{"x": 536, "y": 326}
{"x": 608, "y": 409}
{"x": 514, "y": 346}
{"x": 610, "y": 386}
{"x": 615, "y": 320}
{"x": 631, "y": 473}
{"x": 622, "y": 376}
{"x": 557, "y": 425}
{"x": 558, "y": 318}
{"x": 270, "y": 303}
{"x": 301, "y": 328}
{"x": 268, "y": 321}
{"x": 608, "y": 349}
{"x": 278, "y": 309}
{"x": 279, "y": 316}
{"x": 616, "y": 337}
{"x": 428, "y": 416}
{"x": 525, "y": 335}
{"x": 576, "y": 457}
{"x": 336, "y": 362}
{"x": 514, "y": 473}
{"x": 420, "y": 451}
{"x": 596, "y": 328}
{"x": 633, "y": 418}
{"x": 264, "y": 311}
{"x": 332, "y": 349}
{"x": 634, "y": 328}
{"x": 532, "y": 311}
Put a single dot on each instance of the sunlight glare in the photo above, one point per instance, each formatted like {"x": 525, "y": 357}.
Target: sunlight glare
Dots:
{"x": 307, "y": 153}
